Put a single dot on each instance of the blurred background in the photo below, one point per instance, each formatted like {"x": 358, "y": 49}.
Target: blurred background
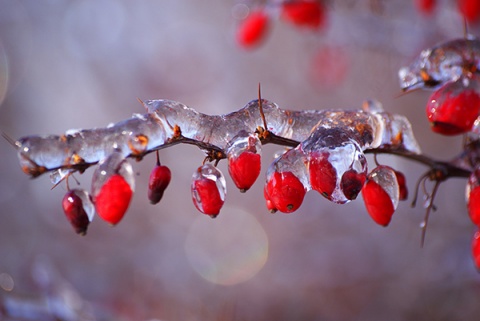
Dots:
{"x": 82, "y": 64}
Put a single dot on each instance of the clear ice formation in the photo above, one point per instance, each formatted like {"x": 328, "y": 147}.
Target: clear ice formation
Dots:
{"x": 168, "y": 122}
{"x": 442, "y": 63}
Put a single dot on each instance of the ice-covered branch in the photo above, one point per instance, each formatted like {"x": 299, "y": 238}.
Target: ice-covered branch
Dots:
{"x": 168, "y": 122}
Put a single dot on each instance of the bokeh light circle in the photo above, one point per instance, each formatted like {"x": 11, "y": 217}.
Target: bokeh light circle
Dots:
{"x": 229, "y": 250}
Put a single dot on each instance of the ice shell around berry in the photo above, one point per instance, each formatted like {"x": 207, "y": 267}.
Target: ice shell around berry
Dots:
{"x": 386, "y": 178}
{"x": 244, "y": 160}
{"x": 342, "y": 154}
{"x": 243, "y": 141}
{"x": 78, "y": 209}
{"x": 378, "y": 203}
{"x": 88, "y": 205}
{"x": 115, "y": 163}
{"x": 208, "y": 189}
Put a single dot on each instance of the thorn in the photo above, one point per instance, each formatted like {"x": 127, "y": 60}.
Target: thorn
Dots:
{"x": 10, "y": 140}
{"x": 260, "y": 106}
{"x": 143, "y": 104}
{"x": 407, "y": 91}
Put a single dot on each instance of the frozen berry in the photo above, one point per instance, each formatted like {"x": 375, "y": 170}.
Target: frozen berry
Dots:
{"x": 208, "y": 190}
{"x": 378, "y": 203}
{"x": 453, "y": 108}
{"x": 286, "y": 191}
{"x": 323, "y": 176}
{"x": 244, "y": 169}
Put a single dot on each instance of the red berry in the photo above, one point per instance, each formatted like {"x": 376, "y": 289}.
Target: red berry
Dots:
{"x": 205, "y": 191}
{"x": 470, "y": 9}
{"x": 309, "y": 14}
{"x": 253, "y": 29}
{"x": 159, "y": 179}
{"x": 285, "y": 191}
{"x": 474, "y": 205}
{"x": 352, "y": 183}
{"x": 323, "y": 176}
{"x": 453, "y": 108}
{"x": 402, "y": 185}
{"x": 113, "y": 199}
{"x": 244, "y": 169}
{"x": 426, "y": 6}
{"x": 476, "y": 249}
{"x": 378, "y": 203}
{"x": 269, "y": 203}
{"x": 73, "y": 207}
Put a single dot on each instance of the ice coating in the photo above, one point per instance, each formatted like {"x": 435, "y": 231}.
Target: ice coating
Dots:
{"x": 344, "y": 154}
{"x": 86, "y": 202}
{"x": 243, "y": 142}
{"x": 209, "y": 189}
{"x": 386, "y": 178}
{"x": 441, "y": 63}
{"x": 168, "y": 122}
{"x": 115, "y": 163}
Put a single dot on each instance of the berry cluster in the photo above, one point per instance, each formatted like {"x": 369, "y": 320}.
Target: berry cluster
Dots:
{"x": 451, "y": 70}
{"x": 326, "y": 148}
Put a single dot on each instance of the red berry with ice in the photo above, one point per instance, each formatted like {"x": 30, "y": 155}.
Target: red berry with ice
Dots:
{"x": 158, "y": 182}
{"x": 380, "y": 194}
{"x": 244, "y": 160}
{"x": 323, "y": 175}
{"x": 286, "y": 191}
{"x": 453, "y": 109}
{"x": 208, "y": 190}
{"x": 112, "y": 187}
{"x": 78, "y": 209}
{"x": 253, "y": 29}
